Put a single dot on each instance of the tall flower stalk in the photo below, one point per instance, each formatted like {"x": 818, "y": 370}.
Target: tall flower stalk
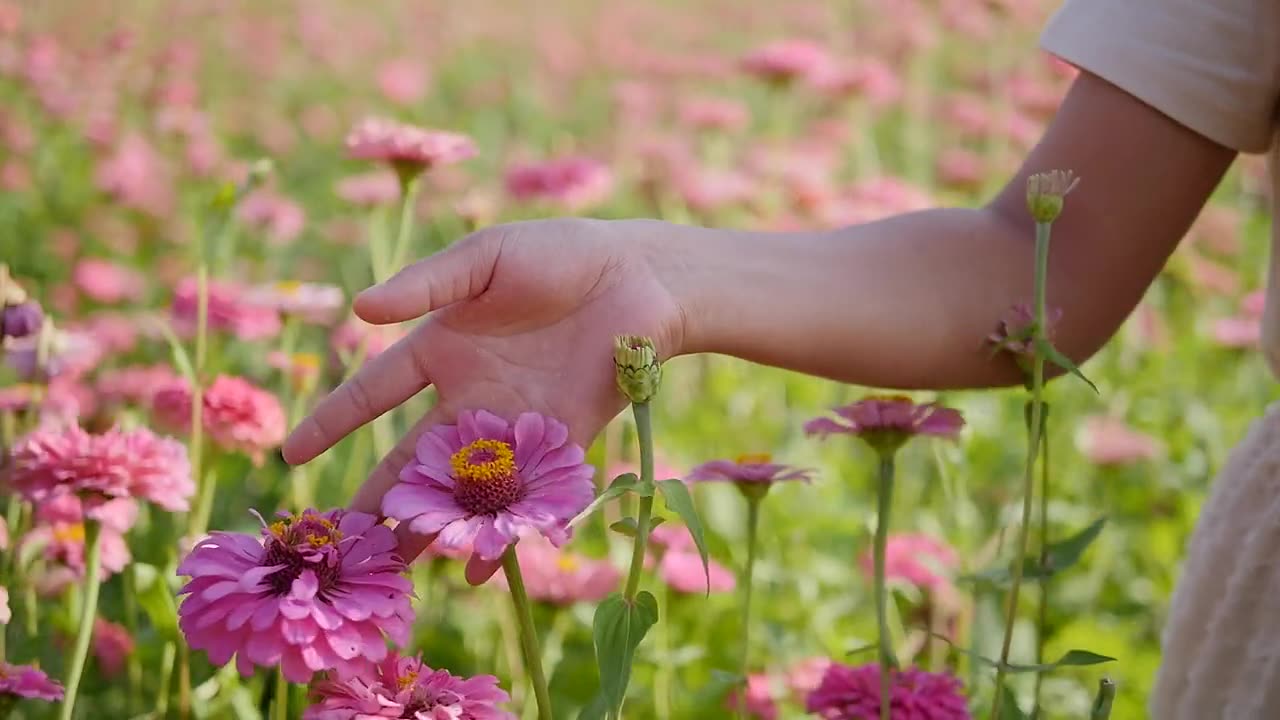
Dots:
{"x": 1042, "y": 627}
{"x": 1045, "y": 193}
{"x": 529, "y": 644}
{"x": 88, "y": 611}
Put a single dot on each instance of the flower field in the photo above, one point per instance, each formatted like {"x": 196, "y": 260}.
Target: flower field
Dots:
{"x": 193, "y": 194}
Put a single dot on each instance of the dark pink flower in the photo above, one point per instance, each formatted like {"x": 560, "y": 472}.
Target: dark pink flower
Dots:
{"x": 408, "y": 148}
{"x": 316, "y": 592}
{"x": 487, "y": 481}
{"x": 887, "y": 422}
{"x": 112, "y": 644}
{"x": 237, "y": 415}
{"x": 227, "y": 311}
{"x": 106, "y": 282}
{"x": 573, "y": 183}
{"x": 917, "y": 559}
{"x": 116, "y": 464}
{"x": 748, "y": 469}
{"x": 786, "y": 61}
{"x": 403, "y": 687}
{"x": 560, "y": 577}
{"x": 853, "y": 693}
{"x": 25, "y": 681}
{"x": 1107, "y": 440}
{"x": 369, "y": 189}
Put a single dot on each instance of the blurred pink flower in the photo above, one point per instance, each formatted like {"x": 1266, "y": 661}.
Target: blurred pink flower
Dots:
{"x": 868, "y": 79}
{"x": 227, "y": 311}
{"x": 917, "y": 559}
{"x": 116, "y": 464}
{"x": 403, "y": 81}
{"x": 302, "y": 369}
{"x": 747, "y": 471}
{"x": 1238, "y": 332}
{"x": 806, "y": 675}
{"x": 24, "y": 681}
{"x": 709, "y": 190}
{"x": 1108, "y": 440}
{"x": 407, "y": 148}
{"x": 112, "y": 644}
{"x": 354, "y": 335}
{"x": 378, "y": 187}
{"x": 961, "y": 169}
{"x": 114, "y": 333}
{"x": 107, "y": 282}
{"x": 760, "y": 700}
{"x": 714, "y": 113}
{"x": 1218, "y": 229}
{"x": 118, "y": 514}
{"x": 572, "y": 183}
{"x": 682, "y": 571}
{"x": 237, "y": 415}
{"x": 70, "y": 354}
{"x": 316, "y": 303}
{"x": 315, "y": 592}
{"x": 134, "y": 385}
{"x": 15, "y": 176}
{"x": 280, "y": 218}
{"x": 853, "y": 693}
{"x": 886, "y": 422}
{"x": 786, "y": 61}
{"x": 135, "y": 176}
{"x": 63, "y": 548}
{"x": 561, "y": 577}
{"x": 403, "y": 687}
{"x": 5, "y": 613}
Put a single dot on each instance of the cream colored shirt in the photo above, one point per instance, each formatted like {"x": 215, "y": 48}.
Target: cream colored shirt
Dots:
{"x": 1210, "y": 65}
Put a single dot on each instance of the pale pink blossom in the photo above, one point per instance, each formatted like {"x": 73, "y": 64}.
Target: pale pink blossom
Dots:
{"x": 572, "y": 183}
{"x": 278, "y": 217}
{"x": 107, "y": 282}
{"x": 403, "y": 81}
{"x": 561, "y": 577}
{"x": 1108, "y": 440}
{"x": 369, "y": 189}
{"x": 786, "y": 61}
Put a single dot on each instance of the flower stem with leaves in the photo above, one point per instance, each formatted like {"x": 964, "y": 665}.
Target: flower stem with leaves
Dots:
{"x": 528, "y": 633}
{"x": 884, "y": 506}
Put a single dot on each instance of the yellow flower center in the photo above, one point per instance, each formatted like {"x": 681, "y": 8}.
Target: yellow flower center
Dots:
{"x": 69, "y": 533}
{"x": 407, "y": 680}
{"x": 306, "y": 360}
{"x": 755, "y": 459}
{"x": 313, "y": 529}
{"x": 567, "y": 563}
{"x": 289, "y": 287}
{"x": 484, "y": 462}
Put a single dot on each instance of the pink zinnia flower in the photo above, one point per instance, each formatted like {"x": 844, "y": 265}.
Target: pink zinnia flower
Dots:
{"x": 407, "y": 148}
{"x": 112, "y": 643}
{"x": 403, "y": 81}
{"x": 403, "y": 687}
{"x": 752, "y": 469}
{"x": 853, "y": 693}
{"x": 681, "y": 569}
{"x": 118, "y": 514}
{"x": 315, "y": 592}
{"x": 961, "y": 168}
{"x": 573, "y": 183}
{"x": 135, "y": 176}
{"x": 806, "y": 675}
{"x": 106, "y": 282}
{"x": 227, "y": 311}
{"x": 317, "y": 303}
{"x": 560, "y": 577}
{"x": 354, "y": 335}
{"x": 116, "y": 464}
{"x": 369, "y": 189}
{"x": 917, "y": 559}
{"x": 134, "y": 385}
{"x": 25, "y": 681}
{"x": 63, "y": 547}
{"x": 237, "y": 415}
{"x": 1106, "y": 440}
{"x": 786, "y": 61}
{"x": 487, "y": 481}
{"x": 886, "y": 423}
{"x": 760, "y": 701}
{"x": 279, "y": 217}
{"x": 713, "y": 113}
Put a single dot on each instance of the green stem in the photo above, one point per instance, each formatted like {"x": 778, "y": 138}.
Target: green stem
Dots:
{"x": 644, "y": 434}
{"x": 1042, "y": 630}
{"x": 199, "y": 517}
{"x": 405, "y": 231}
{"x": 528, "y": 633}
{"x": 662, "y": 673}
{"x": 88, "y": 613}
{"x": 1103, "y": 700}
{"x": 134, "y": 659}
{"x": 884, "y": 503}
{"x": 280, "y": 702}
{"x": 166, "y": 675}
{"x": 753, "y": 525}
{"x": 1029, "y": 476}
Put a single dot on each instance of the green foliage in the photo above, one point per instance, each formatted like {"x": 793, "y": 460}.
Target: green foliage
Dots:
{"x": 618, "y": 628}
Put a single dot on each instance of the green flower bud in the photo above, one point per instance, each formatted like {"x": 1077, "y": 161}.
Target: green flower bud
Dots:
{"x": 638, "y": 371}
{"x": 1045, "y": 193}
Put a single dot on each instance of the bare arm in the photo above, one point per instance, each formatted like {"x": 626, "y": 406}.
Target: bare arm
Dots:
{"x": 905, "y": 302}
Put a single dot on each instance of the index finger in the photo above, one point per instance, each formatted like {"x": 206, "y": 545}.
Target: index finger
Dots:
{"x": 390, "y": 378}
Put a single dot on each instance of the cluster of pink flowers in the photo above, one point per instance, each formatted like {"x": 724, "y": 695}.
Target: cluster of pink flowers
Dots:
{"x": 236, "y": 415}
{"x": 853, "y": 693}
{"x": 404, "y": 687}
{"x": 227, "y": 311}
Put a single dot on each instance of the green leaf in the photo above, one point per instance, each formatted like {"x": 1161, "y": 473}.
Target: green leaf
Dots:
{"x": 1061, "y": 555}
{"x": 180, "y": 358}
{"x": 620, "y": 486}
{"x": 1009, "y": 708}
{"x": 861, "y": 649}
{"x": 597, "y": 709}
{"x": 676, "y": 495}
{"x": 156, "y": 598}
{"x": 1056, "y": 357}
{"x": 1072, "y": 658}
{"x": 618, "y": 628}
{"x": 627, "y": 526}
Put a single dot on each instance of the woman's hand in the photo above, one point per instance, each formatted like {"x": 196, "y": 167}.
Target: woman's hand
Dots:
{"x": 517, "y": 317}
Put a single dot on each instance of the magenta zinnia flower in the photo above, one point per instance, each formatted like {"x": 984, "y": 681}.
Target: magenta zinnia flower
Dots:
{"x": 753, "y": 469}
{"x": 237, "y": 415}
{"x": 405, "y": 147}
{"x": 853, "y": 693}
{"x": 116, "y": 464}
{"x": 487, "y": 481}
{"x": 316, "y": 592}
{"x": 112, "y": 644}
{"x": 403, "y": 687}
{"x": 886, "y": 423}
{"x": 25, "y": 681}
{"x": 559, "y": 577}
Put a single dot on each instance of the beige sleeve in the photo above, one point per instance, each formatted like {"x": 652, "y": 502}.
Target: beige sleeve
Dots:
{"x": 1211, "y": 65}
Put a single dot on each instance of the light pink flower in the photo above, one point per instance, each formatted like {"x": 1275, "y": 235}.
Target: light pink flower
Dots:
{"x": 887, "y": 422}
{"x": 116, "y": 464}
{"x": 118, "y": 514}
{"x": 853, "y": 693}
{"x": 757, "y": 469}
{"x": 409, "y": 148}
{"x": 114, "y": 332}
{"x": 760, "y": 700}
{"x": 135, "y": 176}
{"x": 280, "y": 218}
{"x": 560, "y": 577}
{"x": 369, "y": 189}
{"x": 1108, "y": 440}
{"x": 682, "y": 570}
{"x": 916, "y": 559}
{"x": 403, "y": 81}
{"x": 961, "y": 169}
{"x": 227, "y": 311}
{"x": 63, "y": 548}
{"x": 806, "y": 675}
{"x": 112, "y": 644}
{"x": 355, "y": 335}
{"x": 1238, "y": 332}
{"x": 786, "y": 61}
{"x": 403, "y": 687}
{"x": 487, "y": 481}
{"x": 237, "y": 415}
{"x": 5, "y": 613}
{"x": 714, "y": 113}
{"x": 317, "y": 303}
{"x": 708, "y": 190}
{"x": 135, "y": 384}
{"x": 315, "y": 592}
{"x": 573, "y": 183}
{"x": 107, "y": 282}
{"x": 25, "y": 681}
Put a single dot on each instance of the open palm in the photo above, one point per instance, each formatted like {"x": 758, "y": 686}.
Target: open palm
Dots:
{"x": 518, "y": 317}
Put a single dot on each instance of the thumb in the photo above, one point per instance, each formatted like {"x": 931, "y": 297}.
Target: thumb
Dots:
{"x": 461, "y": 272}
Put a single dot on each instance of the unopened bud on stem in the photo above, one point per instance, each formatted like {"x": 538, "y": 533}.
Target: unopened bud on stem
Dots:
{"x": 638, "y": 371}
{"x": 1045, "y": 193}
